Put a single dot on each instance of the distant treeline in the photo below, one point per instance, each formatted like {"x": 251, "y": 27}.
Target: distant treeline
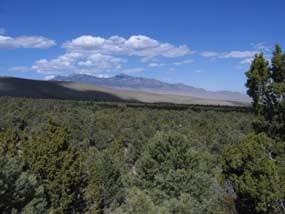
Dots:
{"x": 173, "y": 106}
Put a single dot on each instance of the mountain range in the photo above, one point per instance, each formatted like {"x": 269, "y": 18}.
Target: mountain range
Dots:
{"x": 123, "y": 81}
{"x": 18, "y": 87}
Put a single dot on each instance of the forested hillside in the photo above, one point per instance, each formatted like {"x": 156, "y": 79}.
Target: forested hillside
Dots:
{"x": 76, "y": 157}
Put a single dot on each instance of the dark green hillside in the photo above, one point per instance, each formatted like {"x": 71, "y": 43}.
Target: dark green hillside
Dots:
{"x": 17, "y": 87}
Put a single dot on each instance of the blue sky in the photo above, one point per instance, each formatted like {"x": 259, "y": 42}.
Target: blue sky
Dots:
{"x": 206, "y": 44}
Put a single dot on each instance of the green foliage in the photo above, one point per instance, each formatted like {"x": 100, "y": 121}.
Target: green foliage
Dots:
{"x": 81, "y": 157}
{"x": 278, "y": 65}
{"x": 106, "y": 179}
{"x": 111, "y": 168}
{"x": 10, "y": 142}
{"x": 257, "y": 80}
{"x": 266, "y": 86}
{"x": 138, "y": 202}
{"x": 256, "y": 165}
{"x": 57, "y": 166}
{"x": 19, "y": 189}
{"x": 257, "y": 174}
{"x": 92, "y": 193}
{"x": 170, "y": 167}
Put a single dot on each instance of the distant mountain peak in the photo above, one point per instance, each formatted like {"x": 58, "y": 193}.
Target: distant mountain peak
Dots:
{"x": 122, "y": 75}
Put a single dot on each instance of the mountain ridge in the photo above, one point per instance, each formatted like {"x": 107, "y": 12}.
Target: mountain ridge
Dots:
{"x": 18, "y": 87}
{"x": 124, "y": 81}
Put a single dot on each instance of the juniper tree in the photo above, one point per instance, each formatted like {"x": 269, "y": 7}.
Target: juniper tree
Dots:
{"x": 258, "y": 79}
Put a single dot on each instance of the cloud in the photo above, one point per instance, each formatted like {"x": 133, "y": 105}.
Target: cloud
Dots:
{"x": 136, "y": 45}
{"x": 209, "y": 53}
{"x": 49, "y": 77}
{"x": 139, "y": 42}
{"x": 101, "y": 62}
{"x": 90, "y": 54}
{"x": 59, "y": 65}
{"x": 229, "y": 54}
{"x": 25, "y": 42}
{"x": 94, "y": 55}
{"x": 77, "y": 62}
{"x": 238, "y": 54}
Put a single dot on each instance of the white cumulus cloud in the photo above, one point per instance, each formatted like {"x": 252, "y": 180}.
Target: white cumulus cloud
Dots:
{"x": 136, "y": 45}
{"x": 25, "y": 42}
{"x": 90, "y": 54}
{"x": 102, "y": 62}
{"x": 77, "y": 62}
{"x": 59, "y": 65}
